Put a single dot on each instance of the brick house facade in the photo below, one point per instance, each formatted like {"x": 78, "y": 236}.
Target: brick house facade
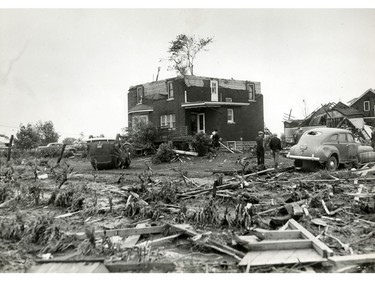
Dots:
{"x": 189, "y": 104}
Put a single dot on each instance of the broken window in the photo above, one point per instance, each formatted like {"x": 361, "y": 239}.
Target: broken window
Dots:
{"x": 139, "y": 95}
{"x": 170, "y": 90}
{"x": 250, "y": 89}
{"x": 214, "y": 87}
{"x": 366, "y": 106}
{"x": 139, "y": 119}
{"x": 230, "y": 115}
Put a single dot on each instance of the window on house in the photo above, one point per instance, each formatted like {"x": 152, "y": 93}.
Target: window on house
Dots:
{"x": 170, "y": 90}
{"x": 168, "y": 121}
{"x": 366, "y": 106}
{"x": 214, "y": 87}
{"x": 139, "y": 95}
{"x": 230, "y": 115}
{"x": 139, "y": 119}
{"x": 250, "y": 89}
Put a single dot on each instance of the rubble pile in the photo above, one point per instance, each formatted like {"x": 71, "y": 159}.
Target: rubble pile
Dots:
{"x": 153, "y": 220}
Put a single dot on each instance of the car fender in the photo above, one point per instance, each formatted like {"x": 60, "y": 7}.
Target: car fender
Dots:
{"x": 326, "y": 151}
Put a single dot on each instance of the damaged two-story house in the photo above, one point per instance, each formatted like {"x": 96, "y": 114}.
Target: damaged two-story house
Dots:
{"x": 189, "y": 104}
{"x": 366, "y": 105}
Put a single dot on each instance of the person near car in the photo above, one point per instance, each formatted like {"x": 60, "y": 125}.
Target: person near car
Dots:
{"x": 275, "y": 146}
{"x": 215, "y": 139}
{"x": 260, "y": 147}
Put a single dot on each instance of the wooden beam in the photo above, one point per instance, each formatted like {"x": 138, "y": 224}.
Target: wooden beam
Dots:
{"x": 141, "y": 266}
{"x": 319, "y": 246}
{"x": 353, "y": 259}
{"x": 259, "y": 173}
{"x": 183, "y": 152}
{"x": 125, "y": 231}
{"x": 158, "y": 241}
{"x": 289, "y": 244}
{"x": 286, "y": 234}
{"x": 227, "y": 148}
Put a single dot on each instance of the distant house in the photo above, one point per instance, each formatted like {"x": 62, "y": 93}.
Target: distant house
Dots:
{"x": 366, "y": 105}
{"x": 332, "y": 115}
{"x": 190, "y": 104}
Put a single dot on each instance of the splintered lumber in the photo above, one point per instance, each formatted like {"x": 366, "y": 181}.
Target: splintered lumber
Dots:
{"x": 131, "y": 240}
{"x": 183, "y": 152}
{"x": 220, "y": 187}
{"x": 158, "y": 241}
{"x": 124, "y": 231}
{"x": 212, "y": 243}
{"x": 259, "y": 173}
{"x": 319, "y": 246}
{"x": 280, "y": 207}
{"x": 140, "y": 266}
{"x": 353, "y": 259}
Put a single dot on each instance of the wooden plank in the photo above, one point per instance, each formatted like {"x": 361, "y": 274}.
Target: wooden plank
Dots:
{"x": 141, "y": 266}
{"x": 319, "y": 246}
{"x": 158, "y": 241}
{"x": 124, "y": 232}
{"x": 285, "y": 234}
{"x": 280, "y": 257}
{"x": 131, "y": 240}
{"x": 353, "y": 259}
{"x": 266, "y": 245}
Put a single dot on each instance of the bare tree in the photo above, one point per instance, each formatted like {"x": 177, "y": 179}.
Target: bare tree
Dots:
{"x": 183, "y": 51}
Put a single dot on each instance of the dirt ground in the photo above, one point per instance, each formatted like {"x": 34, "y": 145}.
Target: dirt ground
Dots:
{"x": 45, "y": 208}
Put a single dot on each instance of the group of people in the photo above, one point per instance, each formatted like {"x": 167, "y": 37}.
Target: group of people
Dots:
{"x": 274, "y": 145}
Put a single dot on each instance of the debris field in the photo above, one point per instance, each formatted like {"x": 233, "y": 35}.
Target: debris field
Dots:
{"x": 195, "y": 214}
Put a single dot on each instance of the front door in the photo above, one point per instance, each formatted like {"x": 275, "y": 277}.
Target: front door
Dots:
{"x": 201, "y": 122}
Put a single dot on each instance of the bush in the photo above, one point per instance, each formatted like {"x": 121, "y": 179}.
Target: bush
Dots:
{"x": 201, "y": 143}
{"x": 164, "y": 154}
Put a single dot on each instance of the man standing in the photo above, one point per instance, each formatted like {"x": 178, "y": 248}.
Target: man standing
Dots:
{"x": 215, "y": 139}
{"x": 260, "y": 148}
{"x": 275, "y": 146}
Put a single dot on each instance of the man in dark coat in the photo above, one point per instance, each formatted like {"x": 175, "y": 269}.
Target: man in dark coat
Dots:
{"x": 260, "y": 147}
{"x": 275, "y": 146}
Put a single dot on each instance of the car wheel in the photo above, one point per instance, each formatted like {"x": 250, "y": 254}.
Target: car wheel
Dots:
{"x": 331, "y": 164}
{"x": 298, "y": 163}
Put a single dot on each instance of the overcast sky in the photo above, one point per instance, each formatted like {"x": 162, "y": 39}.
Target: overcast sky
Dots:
{"x": 75, "y": 66}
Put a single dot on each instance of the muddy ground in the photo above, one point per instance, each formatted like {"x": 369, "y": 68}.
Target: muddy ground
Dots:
{"x": 35, "y": 194}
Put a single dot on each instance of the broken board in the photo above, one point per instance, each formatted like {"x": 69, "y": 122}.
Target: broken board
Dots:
{"x": 130, "y": 241}
{"x": 285, "y": 247}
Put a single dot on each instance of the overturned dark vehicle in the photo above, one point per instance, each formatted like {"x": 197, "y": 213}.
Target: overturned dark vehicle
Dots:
{"x": 329, "y": 147}
{"x": 105, "y": 153}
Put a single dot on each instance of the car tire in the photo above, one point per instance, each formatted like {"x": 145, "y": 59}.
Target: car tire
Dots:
{"x": 331, "y": 164}
{"x": 298, "y": 163}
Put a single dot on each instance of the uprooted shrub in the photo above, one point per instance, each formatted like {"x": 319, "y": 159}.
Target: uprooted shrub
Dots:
{"x": 69, "y": 197}
{"x": 167, "y": 193}
{"x": 164, "y": 154}
{"x": 201, "y": 143}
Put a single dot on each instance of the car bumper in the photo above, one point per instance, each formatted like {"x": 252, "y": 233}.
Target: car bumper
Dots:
{"x": 299, "y": 157}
